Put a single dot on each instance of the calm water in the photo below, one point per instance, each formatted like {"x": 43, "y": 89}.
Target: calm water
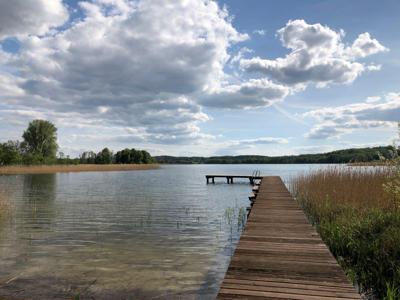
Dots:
{"x": 156, "y": 234}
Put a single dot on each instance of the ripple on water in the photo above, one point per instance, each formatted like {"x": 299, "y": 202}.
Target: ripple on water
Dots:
{"x": 143, "y": 234}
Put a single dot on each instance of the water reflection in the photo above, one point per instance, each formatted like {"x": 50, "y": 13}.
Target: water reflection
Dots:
{"x": 161, "y": 234}
{"x": 39, "y": 192}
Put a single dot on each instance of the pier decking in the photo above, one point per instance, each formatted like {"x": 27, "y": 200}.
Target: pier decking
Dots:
{"x": 229, "y": 178}
{"x": 281, "y": 256}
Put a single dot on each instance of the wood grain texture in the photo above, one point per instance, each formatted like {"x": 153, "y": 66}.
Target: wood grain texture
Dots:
{"x": 281, "y": 256}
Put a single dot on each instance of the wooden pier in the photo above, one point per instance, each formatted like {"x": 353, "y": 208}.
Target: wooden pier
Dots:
{"x": 229, "y": 178}
{"x": 281, "y": 256}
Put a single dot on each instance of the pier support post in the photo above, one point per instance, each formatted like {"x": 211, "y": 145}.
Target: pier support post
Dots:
{"x": 213, "y": 181}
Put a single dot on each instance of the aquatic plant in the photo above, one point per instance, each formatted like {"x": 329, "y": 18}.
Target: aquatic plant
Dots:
{"x": 229, "y": 213}
{"x": 242, "y": 216}
{"x": 353, "y": 212}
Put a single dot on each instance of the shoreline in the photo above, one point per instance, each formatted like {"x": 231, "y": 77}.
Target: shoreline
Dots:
{"x": 46, "y": 169}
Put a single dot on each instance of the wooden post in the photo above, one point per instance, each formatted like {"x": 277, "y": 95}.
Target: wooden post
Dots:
{"x": 207, "y": 179}
{"x": 251, "y": 180}
{"x": 213, "y": 181}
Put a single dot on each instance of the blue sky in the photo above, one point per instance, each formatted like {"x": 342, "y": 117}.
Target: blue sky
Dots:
{"x": 202, "y": 78}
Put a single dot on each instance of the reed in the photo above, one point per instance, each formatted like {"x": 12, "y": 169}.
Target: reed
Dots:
{"x": 359, "y": 220}
{"x": 41, "y": 169}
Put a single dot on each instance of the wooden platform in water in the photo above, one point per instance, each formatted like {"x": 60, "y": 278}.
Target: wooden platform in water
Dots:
{"x": 281, "y": 256}
{"x": 229, "y": 178}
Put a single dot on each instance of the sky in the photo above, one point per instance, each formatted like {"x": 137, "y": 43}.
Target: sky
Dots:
{"x": 199, "y": 77}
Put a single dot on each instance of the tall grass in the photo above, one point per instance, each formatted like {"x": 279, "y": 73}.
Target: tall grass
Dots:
{"x": 360, "y": 222}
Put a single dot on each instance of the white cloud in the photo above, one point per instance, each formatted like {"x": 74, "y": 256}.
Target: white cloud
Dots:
{"x": 24, "y": 17}
{"x": 142, "y": 71}
{"x": 263, "y": 141}
{"x": 372, "y": 99}
{"x": 260, "y": 31}
{"x": 318, "y": 56}
{"x": 336, "y": 121}
{"x": 373, "y": 67}
{"x": 250, "y": 94}
{"x": 364, "y": 46}
{"x": 129, "y": 64}
{"x": 261, "y": 145}
{"x": 243, "y": 51}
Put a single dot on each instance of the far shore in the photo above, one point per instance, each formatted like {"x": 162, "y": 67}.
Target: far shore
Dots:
{"x": 43, "y": 169}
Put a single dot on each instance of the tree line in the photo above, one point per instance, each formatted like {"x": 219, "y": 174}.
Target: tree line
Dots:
{"x": 340, "y": 156}
{"x": 125, "y": 156}
{"x": 39, "y": 146}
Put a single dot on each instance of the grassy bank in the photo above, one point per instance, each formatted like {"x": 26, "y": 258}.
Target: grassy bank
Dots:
{"x": 359, "y": 221}
{"x": 41, "y": 169}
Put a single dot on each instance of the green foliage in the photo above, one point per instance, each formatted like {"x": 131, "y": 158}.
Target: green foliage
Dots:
{"x": 392, "y": 292}
{"x": 88, "y": 157}
{"x": 40, "y": 140}
{"x": 340, "y": 156}
{"x": 40, "y": 147}
{"x": 104, "y": 157}
{"x": 33, "y": 159}
{"x": 146, "y": 157}
{"x": 124, "y": 156}
{"x": 132, "y": 156}
{"x": 10, "y": 153}
{"x": 66, "y": 160}
{"x": 366, "y": 245}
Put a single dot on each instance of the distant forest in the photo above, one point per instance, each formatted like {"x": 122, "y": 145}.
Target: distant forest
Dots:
{"x": 39, "y": 147}
{"x": 340, "y": 156}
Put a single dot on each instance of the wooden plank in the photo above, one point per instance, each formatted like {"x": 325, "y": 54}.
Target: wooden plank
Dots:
{"x": 281, "y": 256}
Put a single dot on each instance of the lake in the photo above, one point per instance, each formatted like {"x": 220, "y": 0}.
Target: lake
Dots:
{"x": 154, "y": 234}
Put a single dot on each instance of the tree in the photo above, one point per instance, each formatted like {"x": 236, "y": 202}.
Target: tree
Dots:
{"x": 146, "y": 157}
{"x": 88, "y": 157}
{"x": 40, "y": 139}
{"x": 10, "y": 153}
{"x": 104, "y": 157}
{"x": 136, "y": 156}
{"x": 123, "y": 156}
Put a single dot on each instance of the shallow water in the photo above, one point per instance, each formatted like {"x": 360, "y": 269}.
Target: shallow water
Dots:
{"x": 154, "y": 234}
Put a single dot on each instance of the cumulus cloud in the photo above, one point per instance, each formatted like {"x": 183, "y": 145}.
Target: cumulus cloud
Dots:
{"x": 317, "y": 56}
{"x": 129, "y": 64}
{"x": 364, "y": 46}
{"x": 143, "y": 71}
{"x": 251, "y": 146}
{"x": 250, "y": 94}
{"x": 24, "y": 17}
{"x": 263, "y": 141}
{"x": 336, "y": 121}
